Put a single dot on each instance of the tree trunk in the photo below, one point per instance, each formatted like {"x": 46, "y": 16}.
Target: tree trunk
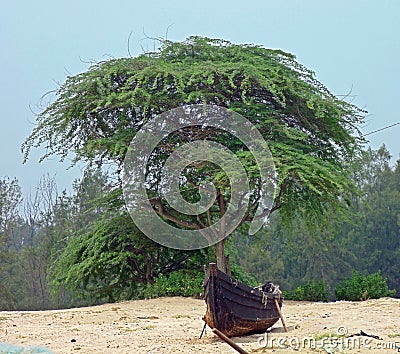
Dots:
{"x": 222, "y": 260}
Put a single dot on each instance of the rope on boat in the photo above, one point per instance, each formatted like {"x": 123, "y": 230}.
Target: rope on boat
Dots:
{"x": 269, "y": 289}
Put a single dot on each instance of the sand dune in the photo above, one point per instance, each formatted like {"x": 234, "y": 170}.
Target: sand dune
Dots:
{"x": 173, "y": 325}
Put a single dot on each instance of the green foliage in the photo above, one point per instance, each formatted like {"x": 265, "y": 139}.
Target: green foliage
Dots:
{"x": 314, "y": 290}
{"x": 112, "y": 260}
{"x": 10, "y": 201}
{"x": 292, "y": 257}
{"x": 36, "y": 248}
{"x": 311, "y": 133}
{"x": 178, "y": 283}
{"x": 98, "y": 263}
{"x": 237, "y": 270}
{"x": 332, "y": 251}
{"x": 362, "y": 287}
{"x": 241, "y": 275}
{"x": 375, "y": 230}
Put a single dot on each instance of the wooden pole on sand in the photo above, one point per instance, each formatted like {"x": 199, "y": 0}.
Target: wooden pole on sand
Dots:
{"x": 229, "y": 341}
{"x": 280, "y": 314}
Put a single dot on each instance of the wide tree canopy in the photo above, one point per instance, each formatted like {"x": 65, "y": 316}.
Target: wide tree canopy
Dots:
{"x": 311, "y": 133}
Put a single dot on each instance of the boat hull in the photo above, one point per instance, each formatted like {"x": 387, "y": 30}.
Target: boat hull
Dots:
{"x": 235, "y": 308}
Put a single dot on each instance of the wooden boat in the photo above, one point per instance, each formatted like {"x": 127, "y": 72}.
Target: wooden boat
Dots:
{"x": 236, "y": 309}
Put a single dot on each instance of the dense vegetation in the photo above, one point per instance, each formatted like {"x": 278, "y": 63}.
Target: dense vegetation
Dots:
{"x": 336, "y": 207}
{"x": 362, "y": 287}
{"x": 311, "y": 133}
{"x": 47, "y": 236}
{"x": 368, "y": 242}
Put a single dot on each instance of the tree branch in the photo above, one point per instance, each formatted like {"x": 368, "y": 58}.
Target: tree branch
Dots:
{"x": 161, "y": 210}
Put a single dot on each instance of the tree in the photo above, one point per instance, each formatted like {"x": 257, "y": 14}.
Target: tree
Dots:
{"x": 27, "y": 247}
{"x": 10, "y": 200}
{"x": 377, "y": 226}
{"x": 312, "y": 134}
{"x": 111, "y": 260}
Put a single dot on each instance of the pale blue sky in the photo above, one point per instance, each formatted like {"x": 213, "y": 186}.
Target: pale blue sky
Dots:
{"x": 351, "y": 45}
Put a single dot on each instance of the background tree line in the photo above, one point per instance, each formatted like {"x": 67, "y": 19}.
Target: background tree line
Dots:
{"x": 369, "y": 241}
{"x": 60, "y": 250}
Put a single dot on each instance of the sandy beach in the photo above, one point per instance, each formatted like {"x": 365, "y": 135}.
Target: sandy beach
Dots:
{"x": 173, "y": 325}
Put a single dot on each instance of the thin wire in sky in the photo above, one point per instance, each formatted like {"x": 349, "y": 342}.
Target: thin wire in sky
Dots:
{"x": 380, "y": 129}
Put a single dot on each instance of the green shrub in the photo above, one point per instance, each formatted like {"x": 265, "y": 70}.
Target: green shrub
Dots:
{"x": 178, "y": 283}
{"x": 239, "y": 274}
{"x": 361, "y": 287}
{"x": 314, "y": 290}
